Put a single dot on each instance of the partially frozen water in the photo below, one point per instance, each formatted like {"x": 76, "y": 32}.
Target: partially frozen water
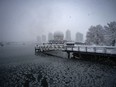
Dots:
{"x": 19, "y": 66}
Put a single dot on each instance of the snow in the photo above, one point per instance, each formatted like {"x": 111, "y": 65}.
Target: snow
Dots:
{"x": 59, "y": 72}
{"x": 83, "y": 48}
{"x": 24, "y": 68}
{"x": 97, "y": 49}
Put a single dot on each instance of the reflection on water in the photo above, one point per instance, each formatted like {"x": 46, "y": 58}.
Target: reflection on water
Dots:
{"x": 21, "y": 67}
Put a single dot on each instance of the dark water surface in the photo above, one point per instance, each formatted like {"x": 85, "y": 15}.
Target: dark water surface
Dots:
{"x": 20, "y": 67}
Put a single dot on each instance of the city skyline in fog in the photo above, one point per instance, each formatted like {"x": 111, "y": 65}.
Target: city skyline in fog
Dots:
{"x": 25, "y": 20}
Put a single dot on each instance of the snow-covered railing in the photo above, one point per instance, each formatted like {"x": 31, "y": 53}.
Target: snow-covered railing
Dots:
{"x": 49, "y": 47}
{"x": 95, "y": 49}
{"x": 78, "y": 48}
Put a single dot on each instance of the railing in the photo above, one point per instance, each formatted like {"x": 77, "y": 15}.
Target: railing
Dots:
{"x": 95, "y": 49}
{"x": 79, "y": 48}
{"x": 49, "y": 47}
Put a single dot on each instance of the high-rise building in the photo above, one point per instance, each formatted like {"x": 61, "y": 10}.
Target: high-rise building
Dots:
{"x": 68, "y": 35}
{"x": 43, "y": 38}
{"x": 79, "y": 37}
{"x": 58, "y": 36}
{"x": 50, "y": 36}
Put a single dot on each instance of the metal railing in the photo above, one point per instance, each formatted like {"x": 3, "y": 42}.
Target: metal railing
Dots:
{"x": 80, "y": 48}
{"x": 95, "y": 49}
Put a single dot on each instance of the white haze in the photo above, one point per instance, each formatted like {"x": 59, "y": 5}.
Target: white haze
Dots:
{"x": 24, "y": 20}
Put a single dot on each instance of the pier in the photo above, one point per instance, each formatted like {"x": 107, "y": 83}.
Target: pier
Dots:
{"x": 80, "y": 51}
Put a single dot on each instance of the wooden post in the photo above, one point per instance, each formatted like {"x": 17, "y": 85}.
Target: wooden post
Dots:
{"x": 86, "y": 49}
{"x": 68, "y": 55}
{"x": 94, "y": 48}
{"x": 66, "y": 47}
{"x": 78, "y": 48}
{"x": 105, "y": 50}
{"x": 72, "y": 48}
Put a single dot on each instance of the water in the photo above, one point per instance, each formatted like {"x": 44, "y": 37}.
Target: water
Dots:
{"x": 19, "y": 66}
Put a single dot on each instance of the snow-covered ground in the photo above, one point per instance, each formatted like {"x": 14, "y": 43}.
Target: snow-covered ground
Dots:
{"x": 58, "y": 73}
{"x": 25, "y": 68}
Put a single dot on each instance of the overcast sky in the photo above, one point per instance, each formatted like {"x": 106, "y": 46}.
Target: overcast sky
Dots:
{"x": 23, "y": 20}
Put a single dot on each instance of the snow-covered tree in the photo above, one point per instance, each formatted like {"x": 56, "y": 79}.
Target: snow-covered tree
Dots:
{"x": 110, "y": 36}
{"x": 95, "y": 35}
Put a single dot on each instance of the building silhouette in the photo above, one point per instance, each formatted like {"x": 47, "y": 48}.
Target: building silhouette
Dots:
{"x": 43, "y": 38}
{"x": 39, "y": 39}
{"x": 79, "y": 37}
{"x": 68, "y": 35}
{"x": 58, "y": 38}
{"x": 50, "y": 37}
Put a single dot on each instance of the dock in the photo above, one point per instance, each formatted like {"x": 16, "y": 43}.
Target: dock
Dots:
{"x": 80, "y": 51}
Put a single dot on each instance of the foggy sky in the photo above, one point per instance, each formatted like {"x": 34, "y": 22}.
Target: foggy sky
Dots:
{"x": 24, "y": 20}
